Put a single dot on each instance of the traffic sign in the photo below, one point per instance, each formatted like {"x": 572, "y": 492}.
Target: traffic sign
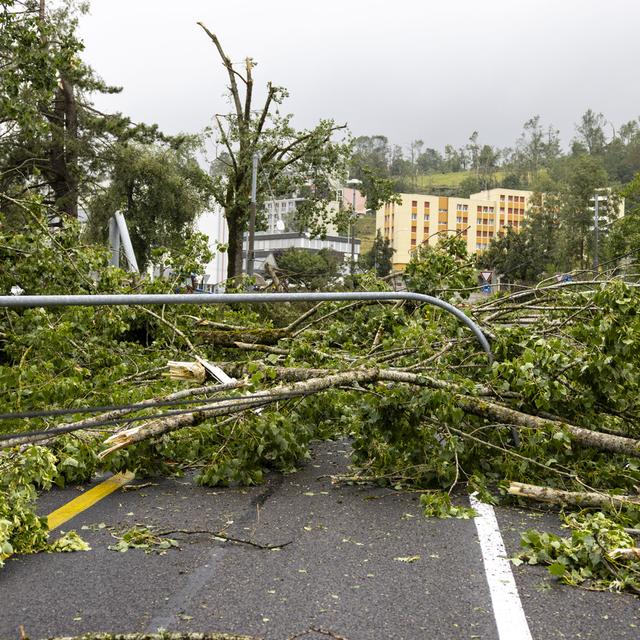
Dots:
{"x": 486, "y": 275}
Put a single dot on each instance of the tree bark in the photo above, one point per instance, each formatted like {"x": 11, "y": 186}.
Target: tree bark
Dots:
{"x": 161, "y": 426}
{"x": 62, "y": 152}
{"x": 235, "y": 222}
{"x": 584, "y": 437}
{"x": 573, "y": 498}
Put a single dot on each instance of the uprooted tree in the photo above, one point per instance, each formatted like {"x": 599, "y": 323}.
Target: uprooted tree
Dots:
{"x": 310, "y": 161}
{"x": 554, "y": 418}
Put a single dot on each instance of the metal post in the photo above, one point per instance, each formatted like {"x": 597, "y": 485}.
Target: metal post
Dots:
{"x": 114, "y": 242}
{"x": 14, "y": 302}
{"x": 596, "y": 233}
{"x": 353, "y": 235}
{"x": 252, "y": 216}
{"x": 126, "y": 242}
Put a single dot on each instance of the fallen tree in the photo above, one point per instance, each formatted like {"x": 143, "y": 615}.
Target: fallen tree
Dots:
{"x": 557, "y": 409}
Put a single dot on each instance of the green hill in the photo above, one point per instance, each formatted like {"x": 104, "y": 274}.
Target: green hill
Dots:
{"x": 365, "y": 230}
{"x": 434, "y": 181}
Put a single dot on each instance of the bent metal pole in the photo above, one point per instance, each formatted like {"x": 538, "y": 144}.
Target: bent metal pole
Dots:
{"x": 99, "y": 300}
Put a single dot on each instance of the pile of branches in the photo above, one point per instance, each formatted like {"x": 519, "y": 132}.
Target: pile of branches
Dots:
{"x": 554, "y": 418}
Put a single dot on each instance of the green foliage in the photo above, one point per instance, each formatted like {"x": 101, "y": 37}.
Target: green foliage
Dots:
{"x": 438, "y": 505}
{"x": 68, "y": 542}
{"x": 380, "y": 257}
{"x": 161, "y": 191}
{"x": 588, "y": 556}
{"x": 56, "y": 145}
{"x": 310, "y": 269}
{"x": 623, "y": 241}
{"x": 444, "y": 270}
{"x": 378, "y": 190}
{"x": 579, "y": 361}
{"x": 21, "y": 530}
{"x": 140, "y": 537}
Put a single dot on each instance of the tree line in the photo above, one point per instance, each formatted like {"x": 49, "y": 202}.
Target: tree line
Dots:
{"x": 538, "y": 149}
{"x": 59, "y": 152}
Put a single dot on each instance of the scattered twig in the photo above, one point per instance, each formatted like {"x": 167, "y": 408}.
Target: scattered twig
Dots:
{"x": 224, "y": 536}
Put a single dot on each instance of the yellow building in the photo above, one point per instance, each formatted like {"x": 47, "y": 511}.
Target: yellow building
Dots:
{"x": 423, "y": 219}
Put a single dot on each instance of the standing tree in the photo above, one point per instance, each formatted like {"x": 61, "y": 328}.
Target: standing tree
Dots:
{"x": 583, "y": 175}
{"x": 53, "y": 142}
{"x": 591, "y": 134}
{"x": 290, "y": 160}
{"x": 379, "y": 257}
{"x": 160, "y": 189}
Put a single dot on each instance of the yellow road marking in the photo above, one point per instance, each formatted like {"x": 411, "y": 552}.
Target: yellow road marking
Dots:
{"x": 72, "y": 508}
{"x": 88, "y": 499}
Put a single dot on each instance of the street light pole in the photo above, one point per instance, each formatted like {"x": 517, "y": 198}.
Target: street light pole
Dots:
{"x": 252, "y": 216}
{"x": 596, "y": 233}
{"x": 353, "y": 182}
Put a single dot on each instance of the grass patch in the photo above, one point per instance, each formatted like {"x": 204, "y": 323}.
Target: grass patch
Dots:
{"x": 365, "y": 230}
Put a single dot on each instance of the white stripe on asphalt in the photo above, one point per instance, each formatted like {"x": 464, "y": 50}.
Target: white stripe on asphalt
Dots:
{"x": 507, "y": 607}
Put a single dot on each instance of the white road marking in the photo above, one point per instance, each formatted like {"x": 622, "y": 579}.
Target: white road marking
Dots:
{"x": 507, "y": 607}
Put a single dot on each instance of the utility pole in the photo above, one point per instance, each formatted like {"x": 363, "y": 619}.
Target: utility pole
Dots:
{"x": 252, "y": 216}
{"x": 354, "y": 182}
{"x": 596, "y": 233}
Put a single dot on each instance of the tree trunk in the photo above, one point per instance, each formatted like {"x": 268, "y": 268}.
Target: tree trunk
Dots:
{"x": 235, "y": 221}
{"x": 71, "y": 151}
{"x": 573, "y": 498}
{"x": 583, "y": 437}
{"x": 62, "y": 152}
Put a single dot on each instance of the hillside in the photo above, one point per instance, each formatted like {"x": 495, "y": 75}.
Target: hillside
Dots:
{"x": 429, "y": 182}
{"x": 366, "y": 231}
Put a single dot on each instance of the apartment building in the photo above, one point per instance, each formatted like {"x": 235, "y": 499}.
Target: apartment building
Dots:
{"x": 423, "y": 219}
{"x": 282, "y": 232}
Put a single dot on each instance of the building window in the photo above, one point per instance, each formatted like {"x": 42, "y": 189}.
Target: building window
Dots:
{"x": 413, "y": 242}
{"x": 426, "y": 204}
{"x": 414, "y": 216}
{"x": 414, "y": 203}
{"x": 426, "y": 217}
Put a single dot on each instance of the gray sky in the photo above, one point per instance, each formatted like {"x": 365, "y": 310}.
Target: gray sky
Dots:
{"x": 434, "y": 70}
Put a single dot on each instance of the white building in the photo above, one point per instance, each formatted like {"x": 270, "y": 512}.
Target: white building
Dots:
{"x": 214, "y": 225}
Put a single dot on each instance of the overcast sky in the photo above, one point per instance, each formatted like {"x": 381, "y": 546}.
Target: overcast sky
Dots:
{"x": 407, "y": 69}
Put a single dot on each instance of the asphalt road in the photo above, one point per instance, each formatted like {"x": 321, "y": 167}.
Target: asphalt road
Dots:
{"x": 341, "y": 572}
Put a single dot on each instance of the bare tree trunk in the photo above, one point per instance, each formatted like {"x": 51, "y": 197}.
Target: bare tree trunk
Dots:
{"x": 584, "y": 437}
{"x": 160, "y": 426}
{"x": 573, "y": 498}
